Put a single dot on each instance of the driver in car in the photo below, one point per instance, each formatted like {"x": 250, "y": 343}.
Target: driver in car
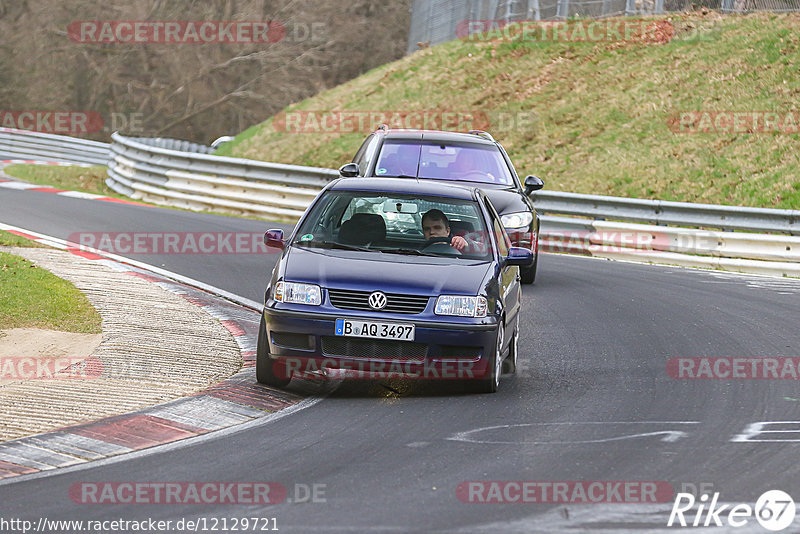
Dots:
{"x": 468, "y": 164}
{"x": 436, "y": 225}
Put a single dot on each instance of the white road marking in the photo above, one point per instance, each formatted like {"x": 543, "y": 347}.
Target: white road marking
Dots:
{"x": 669, "y": 435}
{"x": 755, "y": 429}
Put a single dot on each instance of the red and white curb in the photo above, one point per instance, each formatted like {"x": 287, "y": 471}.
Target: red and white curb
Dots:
{"x": 24, "y": 186}
{"x": 235, "y": 401}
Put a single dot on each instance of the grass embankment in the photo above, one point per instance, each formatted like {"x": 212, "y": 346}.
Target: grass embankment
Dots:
{"x": 72, "y": 178}
{"x": 601, "y": 111}
{"x": 33, "y": 297}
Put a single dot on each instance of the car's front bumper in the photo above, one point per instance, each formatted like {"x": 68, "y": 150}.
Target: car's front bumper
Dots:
{"x": 306, "y": 341}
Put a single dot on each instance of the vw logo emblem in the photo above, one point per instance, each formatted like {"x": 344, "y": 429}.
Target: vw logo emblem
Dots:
{"x": 377, "y": 300}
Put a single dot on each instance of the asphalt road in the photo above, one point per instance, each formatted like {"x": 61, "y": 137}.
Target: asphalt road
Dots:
{"x": 592, "y": 401}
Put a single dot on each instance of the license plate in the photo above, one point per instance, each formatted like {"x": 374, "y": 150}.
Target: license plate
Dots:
{"x": 371, "y": 329}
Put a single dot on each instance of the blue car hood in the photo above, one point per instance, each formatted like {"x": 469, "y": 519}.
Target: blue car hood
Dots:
{"x": 392, "y": 273}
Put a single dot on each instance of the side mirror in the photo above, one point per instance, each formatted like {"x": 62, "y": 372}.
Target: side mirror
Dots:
{"x": 349, "y": 170}
{"x": 519, "y": 256}
{"x": 274, "y": 239}
{"x": 533, "y": 183}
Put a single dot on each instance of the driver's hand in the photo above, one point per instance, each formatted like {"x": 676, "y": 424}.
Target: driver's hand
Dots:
{"x": 458, "y": 243}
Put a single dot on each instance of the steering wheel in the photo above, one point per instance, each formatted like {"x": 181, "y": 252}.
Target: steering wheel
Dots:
{"x": 440, "y": 245}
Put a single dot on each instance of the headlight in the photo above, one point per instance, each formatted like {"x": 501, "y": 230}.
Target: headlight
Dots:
{"x": 293, "y": 293}
{"x": 461, "y": 306}
{"x": 517, "y": 220}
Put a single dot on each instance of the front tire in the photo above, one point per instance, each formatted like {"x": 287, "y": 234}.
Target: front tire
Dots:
{"x": 491, "y": 382}
{"x": 510, "y": 363}
{"x": 268, "y": 371}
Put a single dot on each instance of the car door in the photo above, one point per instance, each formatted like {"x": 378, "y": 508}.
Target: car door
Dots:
{"x": 509, "y": 281}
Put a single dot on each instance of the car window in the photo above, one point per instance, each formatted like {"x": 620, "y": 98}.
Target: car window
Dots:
{"x": 398, "y": 159}
{"x": 362, "y": 149}
{"x": 369, "y": 155}
{"x": 392, "y": 223}
{"x": 366, "y": 153}
{"x": 470, "y": 162}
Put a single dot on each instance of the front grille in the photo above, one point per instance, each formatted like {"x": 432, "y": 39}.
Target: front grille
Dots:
{"x": 374, "y": 349}
{"x": 395, "y": 302}
{"x": 455, "y": 352}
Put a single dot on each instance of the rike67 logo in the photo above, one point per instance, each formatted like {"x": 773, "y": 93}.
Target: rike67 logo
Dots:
{"x": 774, "y": 511}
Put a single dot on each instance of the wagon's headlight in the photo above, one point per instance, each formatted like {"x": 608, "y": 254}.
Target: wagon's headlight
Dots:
{"x": 461, "y": 306}
{"x": 517, "y": 220}
{"x": 294, "y": 293}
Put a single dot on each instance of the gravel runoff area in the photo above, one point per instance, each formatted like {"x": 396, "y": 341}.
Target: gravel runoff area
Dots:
{"x": 156, "y": 346}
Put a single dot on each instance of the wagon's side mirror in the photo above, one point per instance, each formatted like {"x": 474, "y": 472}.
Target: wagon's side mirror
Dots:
{"x": 349, "y": 170}
{"x": 533, "y": 183}
{"x": 274, "y": 239}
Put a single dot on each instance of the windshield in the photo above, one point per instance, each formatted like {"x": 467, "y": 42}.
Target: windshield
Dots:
{"x": 466, "y": 162}
{"x": 396, "y": 224}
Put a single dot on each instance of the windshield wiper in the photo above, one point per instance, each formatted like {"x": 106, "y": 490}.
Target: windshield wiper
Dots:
{"x": 334, "y": 244}
{"x": 409, "y": 251}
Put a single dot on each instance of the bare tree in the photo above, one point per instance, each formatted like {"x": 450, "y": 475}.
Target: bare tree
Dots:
{"x": 187, "y": 90}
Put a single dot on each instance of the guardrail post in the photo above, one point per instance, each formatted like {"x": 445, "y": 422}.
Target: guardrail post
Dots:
{"x": 563, "y": 9}
{"x": 533, "y": 10}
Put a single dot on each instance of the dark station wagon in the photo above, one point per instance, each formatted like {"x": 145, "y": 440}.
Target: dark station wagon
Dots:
{"x": 472, "y": 158}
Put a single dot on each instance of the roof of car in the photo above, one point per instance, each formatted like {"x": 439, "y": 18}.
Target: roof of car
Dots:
{"x": 406, "y": 185}
{"x": 436, "y": 135}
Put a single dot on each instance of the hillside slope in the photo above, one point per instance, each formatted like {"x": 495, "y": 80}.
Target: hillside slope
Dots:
{"x": 604, "y": 118}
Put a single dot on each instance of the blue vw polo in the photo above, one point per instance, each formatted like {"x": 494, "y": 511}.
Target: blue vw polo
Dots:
{"x": 412, "y": 278}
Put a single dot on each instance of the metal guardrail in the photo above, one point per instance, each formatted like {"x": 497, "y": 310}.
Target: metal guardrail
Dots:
{"x": 21, "y": 144}
{"x": 775, "y": 255}
{"x": 174, "y": 144}
{"x": 183, "y": 174}
{"x": 664, "y": 212}
{"x": 144, "y": 169}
